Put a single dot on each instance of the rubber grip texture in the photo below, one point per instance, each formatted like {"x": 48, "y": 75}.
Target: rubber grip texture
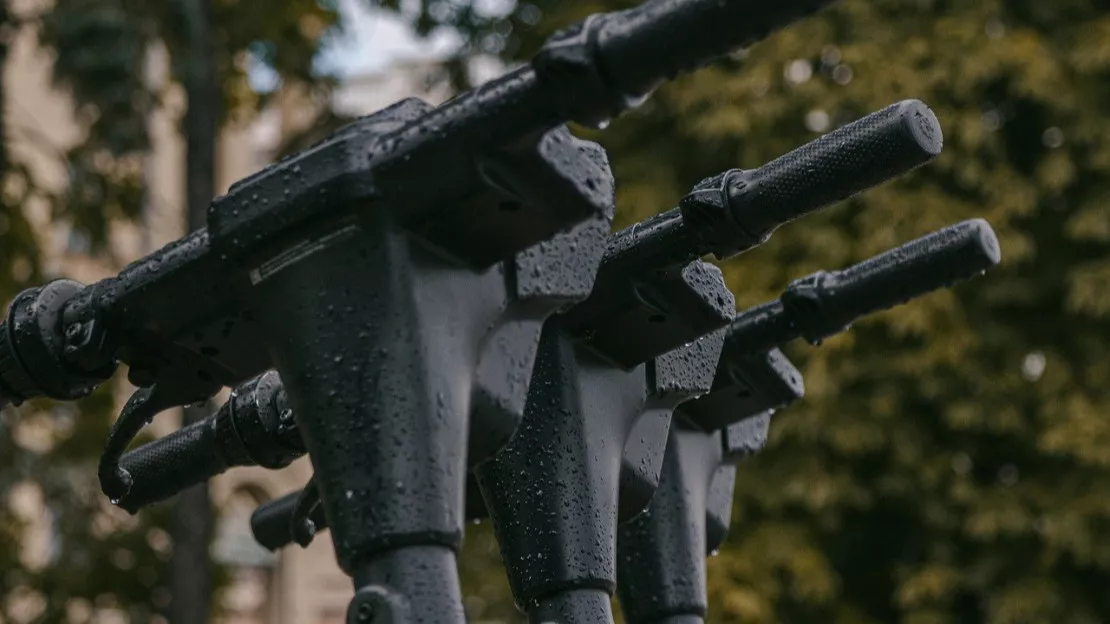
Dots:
{"x": 165, "y": 467}
{"x": 826, "y": 303}
{"x": 940, "y": 259}
{"x": 846, "y": 161}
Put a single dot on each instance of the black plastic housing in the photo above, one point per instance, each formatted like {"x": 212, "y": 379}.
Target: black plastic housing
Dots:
{"x": 662, "y": 551}
{"x": 554, "y": 493}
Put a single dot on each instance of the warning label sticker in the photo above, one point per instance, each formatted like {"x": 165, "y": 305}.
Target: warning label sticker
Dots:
{"x": 301, "y": 250}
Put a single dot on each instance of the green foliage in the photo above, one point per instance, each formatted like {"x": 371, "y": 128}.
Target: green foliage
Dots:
{"x": 482, "y": 573}
{"x": 99, "y": 50}
{"x": 950, "y": 459}
{"x": 101, "y": 61}
{"x": 18, "y": 249}
{"x": 98, "y": 556}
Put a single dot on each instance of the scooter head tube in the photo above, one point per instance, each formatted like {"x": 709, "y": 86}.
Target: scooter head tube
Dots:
{"x": 661, "y": 574}
{"x": 383, "y": 342}
{"x": 554, "y": 491}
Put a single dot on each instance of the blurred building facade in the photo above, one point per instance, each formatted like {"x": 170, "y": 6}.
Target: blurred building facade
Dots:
{"x": 302, "y": 586}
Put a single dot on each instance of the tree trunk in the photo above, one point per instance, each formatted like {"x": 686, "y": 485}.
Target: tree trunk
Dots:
{"x": 202, "y": 120}
{"x": 193, "y": 522}
{"x": 6, "y": 28}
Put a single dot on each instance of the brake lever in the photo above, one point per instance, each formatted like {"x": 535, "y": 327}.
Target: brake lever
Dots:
{"x": 140, "y": 410}
{"x": 303, "y": 525}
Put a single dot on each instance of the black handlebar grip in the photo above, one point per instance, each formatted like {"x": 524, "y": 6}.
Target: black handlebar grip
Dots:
{"x": 840, "y": 164}
{"x": 254, "y": 428}
{"x": 940, "y": 259}
{"x": 270, "y": 522}
{"x": 826, "y": 303}
{"x": 164, "y": 467}
{"x": 642, "y": 46}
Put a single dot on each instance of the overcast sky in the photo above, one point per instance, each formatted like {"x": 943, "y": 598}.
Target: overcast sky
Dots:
{"x": 374, "y": 40}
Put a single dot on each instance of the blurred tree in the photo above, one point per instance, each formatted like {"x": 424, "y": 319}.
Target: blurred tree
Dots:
{"x": 950, "y": 460}
{"x": 49, "y": 452}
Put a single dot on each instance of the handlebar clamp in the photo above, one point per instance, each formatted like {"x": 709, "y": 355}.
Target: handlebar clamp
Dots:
{"x": 40, "y": 357}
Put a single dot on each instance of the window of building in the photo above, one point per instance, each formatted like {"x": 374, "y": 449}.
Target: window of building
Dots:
{"x": 254, "y": 571}
{"x": 78, "y": 242}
